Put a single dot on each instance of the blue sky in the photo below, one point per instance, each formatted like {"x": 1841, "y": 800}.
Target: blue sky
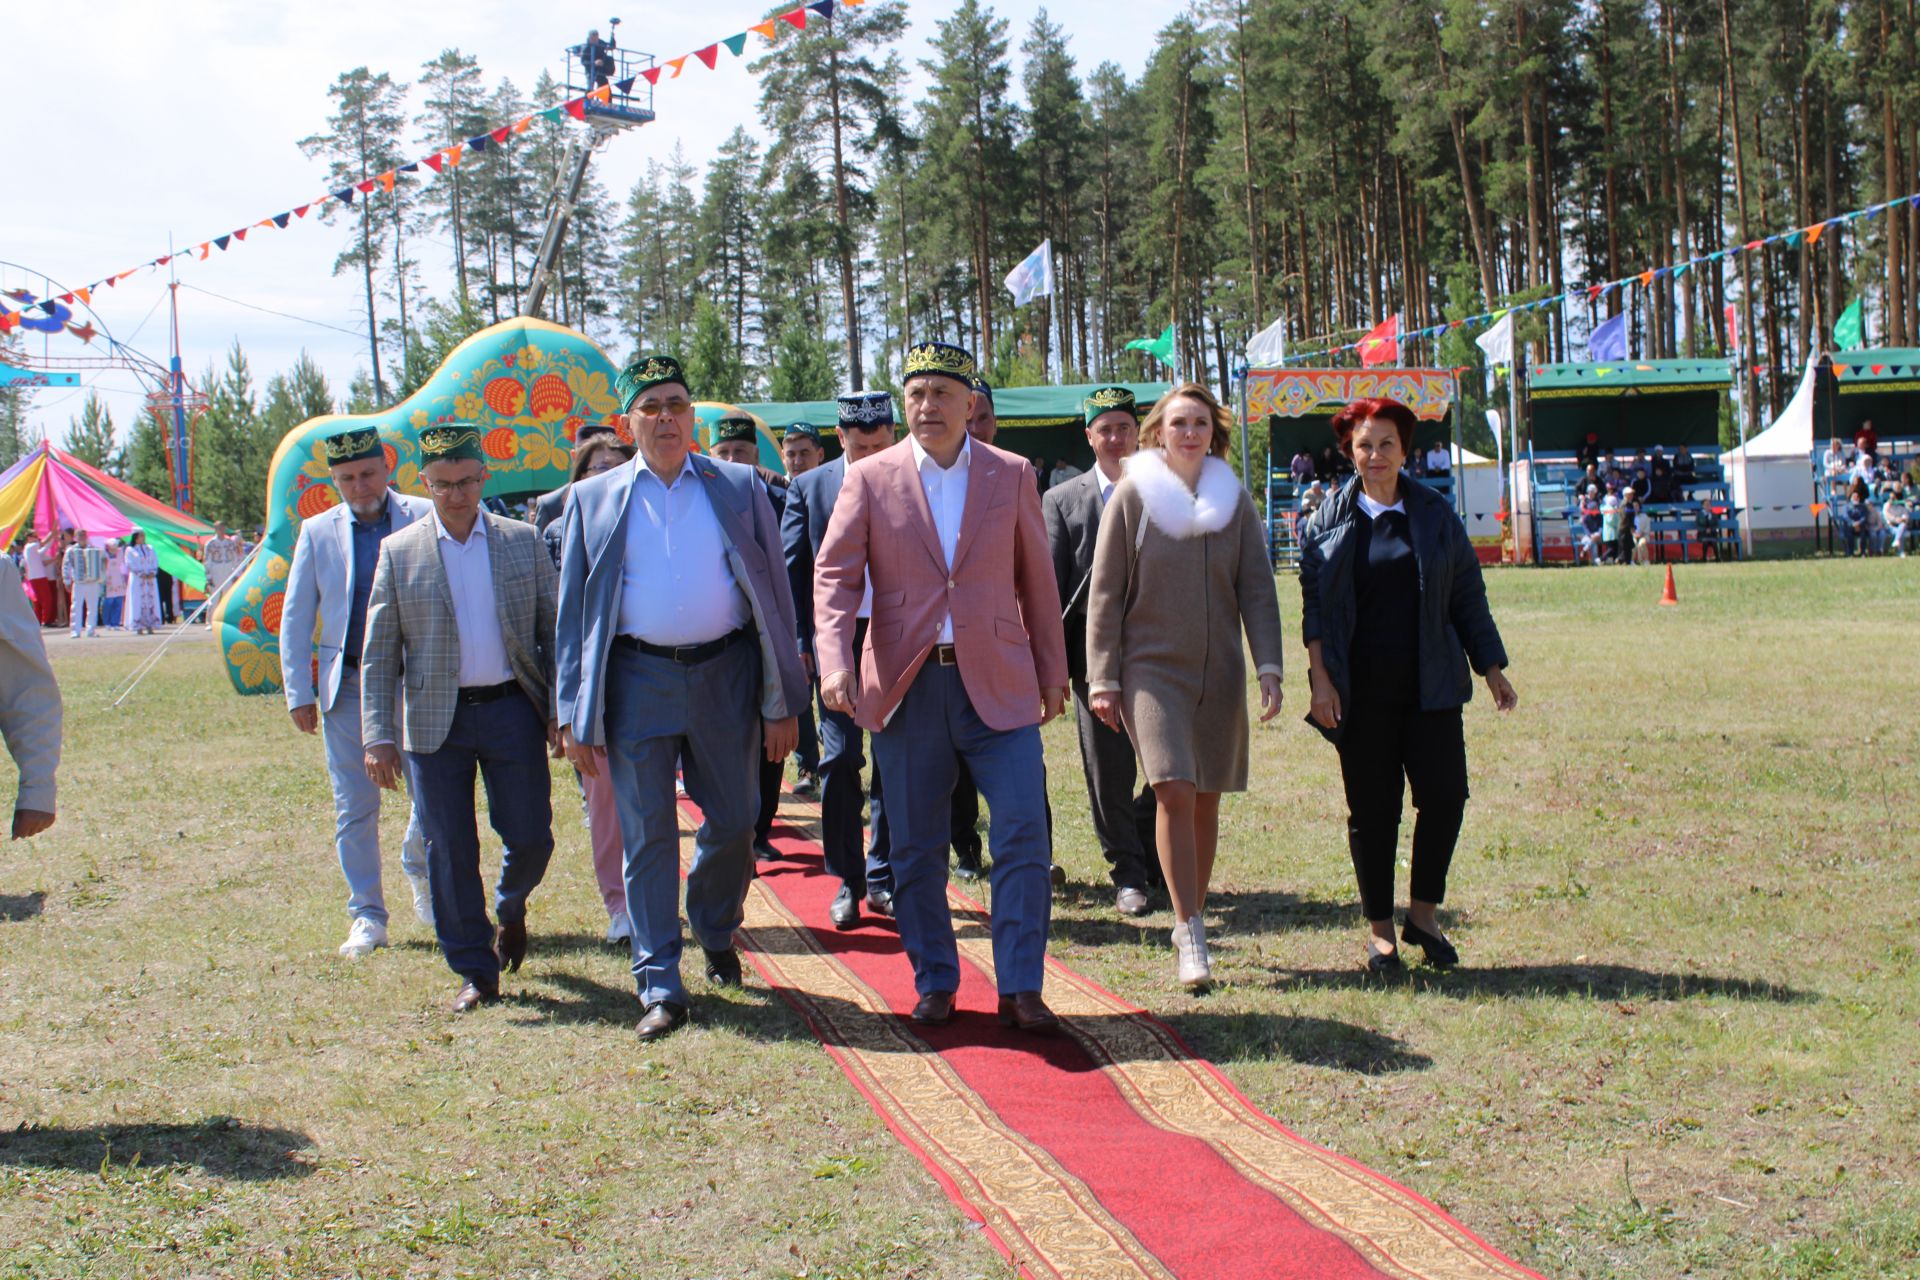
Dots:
{"x": 133, "y": 121}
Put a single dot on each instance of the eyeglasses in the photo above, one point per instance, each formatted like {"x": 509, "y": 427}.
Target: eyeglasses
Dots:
{"x": 595, "y": 467}
{"x": 441, "y": 488}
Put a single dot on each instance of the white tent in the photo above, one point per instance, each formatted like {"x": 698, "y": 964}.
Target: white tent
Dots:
{"x": 1772, "y": 475}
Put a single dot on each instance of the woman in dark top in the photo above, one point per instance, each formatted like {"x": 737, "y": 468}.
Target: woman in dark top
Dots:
{"x": 1393, "y": 612}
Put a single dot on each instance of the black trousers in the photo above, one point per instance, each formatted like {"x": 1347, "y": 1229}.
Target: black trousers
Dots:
{"x": 1382, "y": 743}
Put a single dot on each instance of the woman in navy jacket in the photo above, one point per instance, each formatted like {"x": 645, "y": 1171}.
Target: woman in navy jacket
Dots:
{"x": 1393, "y": 613}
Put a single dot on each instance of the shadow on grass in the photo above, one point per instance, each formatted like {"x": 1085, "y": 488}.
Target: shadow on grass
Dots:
{"x": 218, "y": 1145}
{"x": 1311, "y": 1042}
{"x": 15, "y": 907}
{"x": 1523, "y": 981}
{"x": 750, "y": 1011}
{"x": 1246, "y": 913}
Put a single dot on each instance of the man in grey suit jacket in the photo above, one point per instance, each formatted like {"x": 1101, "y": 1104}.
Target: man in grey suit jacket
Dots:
{"x": 328, "y": 587}
{"x": 676, "y": 644}
{"x": 462, "y": 614}
{"x": 1123, "y": 820}
{"x": 866, "y": 427}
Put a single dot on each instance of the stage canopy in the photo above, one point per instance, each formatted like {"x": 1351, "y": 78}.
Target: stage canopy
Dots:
{"x": 1881, "y": 383}
{"x": 49, "y": 487}
{"x": 1298, "y": 404}
{"x": 1626, "y": 404}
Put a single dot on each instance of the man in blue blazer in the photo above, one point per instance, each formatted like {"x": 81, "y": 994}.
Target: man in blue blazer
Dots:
{"x": 328, "y": 588}
{"x": 675, "y": 645}
{"x": 866, "y": 427}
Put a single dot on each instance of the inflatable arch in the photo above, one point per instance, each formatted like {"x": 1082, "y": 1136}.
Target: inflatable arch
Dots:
{"x": 529, "y": 384}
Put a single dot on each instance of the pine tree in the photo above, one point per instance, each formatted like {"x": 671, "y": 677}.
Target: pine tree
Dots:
{"x": 803, "y": 366}
{"x": 90, "y": 436}
{"x": 14, "y": 403}
{"x": 713, "y": 364}
{"x": 451, "y": 113}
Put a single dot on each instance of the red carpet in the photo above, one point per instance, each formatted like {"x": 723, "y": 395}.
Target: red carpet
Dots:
{"x": 1108, "y": 1151}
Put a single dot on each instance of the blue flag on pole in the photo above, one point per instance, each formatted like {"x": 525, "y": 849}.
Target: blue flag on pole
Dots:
{"x": 1608, "y": 341}
{"x": 1033, "y": 278}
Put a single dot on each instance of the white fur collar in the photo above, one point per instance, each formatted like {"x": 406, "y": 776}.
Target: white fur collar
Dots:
{"x": 1175, "y": 511}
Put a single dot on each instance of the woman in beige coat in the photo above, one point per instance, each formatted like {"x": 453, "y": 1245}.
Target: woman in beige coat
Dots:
{"x": 1180, "y": 568}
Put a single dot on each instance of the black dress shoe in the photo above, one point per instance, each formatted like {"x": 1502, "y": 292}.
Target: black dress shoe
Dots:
{"x": 1056, "y": 875}
{"x": 473, "y": 995}
{"x": 1383, "y": 962}
{"x": 511, "y": 944}
{"x": 1026, "y": 1011}
{"x": 723, "y": 967}
{"x": 662, "y": 1019}
{"x": 1440, "y": 952}
{"x": 934, "y": 1009}
{"x": 763, "y": 851}
{"x": 880, "y": 902}
{"x": 845, "y": 911}
{"x": 966, "y": 862}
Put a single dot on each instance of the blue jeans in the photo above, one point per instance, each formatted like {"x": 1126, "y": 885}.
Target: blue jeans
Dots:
{"x": 704, "y": 717}
{"x": 505, "y": 742}
{"x": 919, "y": 753}
{"x": 356, "y": 808}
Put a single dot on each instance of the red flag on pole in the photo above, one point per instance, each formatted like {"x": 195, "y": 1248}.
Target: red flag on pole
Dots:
{"x": 1733, "y": 327}
{"x": 1382, "y": 343}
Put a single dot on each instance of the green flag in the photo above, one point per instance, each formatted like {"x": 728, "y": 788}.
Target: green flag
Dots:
{"x": 1160, "y": 348}
{"x": 1848, "y": 332}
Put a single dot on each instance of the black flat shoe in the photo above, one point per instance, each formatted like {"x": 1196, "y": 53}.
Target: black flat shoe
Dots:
{"x": 1383, "y": 962}
{"x": 1440, "y": 952}
{"x": 845, "y": 911}
{"x": 723, "y": 968}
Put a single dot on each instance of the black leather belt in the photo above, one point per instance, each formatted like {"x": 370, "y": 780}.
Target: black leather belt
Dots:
{"x": 685, "y": 654}
{"x": 943, "y": 655}
{"x": 472, "y": 693}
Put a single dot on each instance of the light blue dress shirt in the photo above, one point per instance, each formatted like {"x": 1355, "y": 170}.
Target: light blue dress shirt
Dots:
{"x": 476, "y": 617}
{"x": 676, "y": 586}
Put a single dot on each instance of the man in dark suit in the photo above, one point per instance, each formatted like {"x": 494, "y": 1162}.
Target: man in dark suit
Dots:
{"x": 548, "y": 507}
{"x": 1122, "y": 819}
{"x": 866, "y": 427}
{"x": 736, "y": 439}
{"x": 800, "y": 452}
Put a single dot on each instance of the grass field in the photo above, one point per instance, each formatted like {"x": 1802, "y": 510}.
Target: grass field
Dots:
{"x": 1684, "y": 1041}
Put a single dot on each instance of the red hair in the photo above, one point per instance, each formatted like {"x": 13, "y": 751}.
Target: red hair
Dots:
{"x": 1360, "y": 412}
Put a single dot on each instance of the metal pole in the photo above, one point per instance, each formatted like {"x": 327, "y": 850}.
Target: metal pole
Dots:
{"x": 1513, "y": 448}
{"x": 182, "y": 450}
{"x": 556, "y": 231}
{"x": 1246, "y": 460}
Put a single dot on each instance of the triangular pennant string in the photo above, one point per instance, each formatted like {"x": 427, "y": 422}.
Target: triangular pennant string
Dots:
{"x": 500, "y": 134}
{"x": 797, "y": 18}
{"x": 708, "y": 55}
{"x": 280, "y": 220}
{"x": 763, "y": 28}
{"x": 433, "y": 161}
{"x": 523, "y": 124}
{"x": 577, "y": 108}
{"x": 677, "y": 64}
{"x": 652, "y": 75}
{"x": 822, "y": 7}
{"x": 386, "y": 182}
{"x": 736, "y": 45}
{"x": 241, "y": 234}
{"x": 219, "y": 240}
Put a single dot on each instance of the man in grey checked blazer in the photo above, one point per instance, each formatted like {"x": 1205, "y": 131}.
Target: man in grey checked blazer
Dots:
{"x": 462, "y": 617}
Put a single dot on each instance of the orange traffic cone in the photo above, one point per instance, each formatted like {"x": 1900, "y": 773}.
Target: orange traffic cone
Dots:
{"x": 1669, "y": 596}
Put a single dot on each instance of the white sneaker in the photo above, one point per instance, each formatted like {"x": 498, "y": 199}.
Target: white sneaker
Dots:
{"x": 1190, "y": 950}
{"x": 422, "y": 899}
{"x": 620, "y": 927}
{"x": 364, "y": 938}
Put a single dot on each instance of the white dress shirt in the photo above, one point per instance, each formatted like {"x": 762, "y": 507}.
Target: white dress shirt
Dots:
{"x": 476, "y": 617}
{"x": 676, "y": 586}
{"x": 946, "y": 490}
{"x": 1374, "y": 510}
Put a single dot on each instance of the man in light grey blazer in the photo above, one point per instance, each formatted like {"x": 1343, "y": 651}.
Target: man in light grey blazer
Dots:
{"x": 462, "y": 616}
{"x": 328, "y": 586}
{"x": 1123, "y": 818}
{"x": 676, "y": 643}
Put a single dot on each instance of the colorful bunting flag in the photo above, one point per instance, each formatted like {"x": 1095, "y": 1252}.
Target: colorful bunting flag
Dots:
{"x": 241, "y": 234}
{"x": 708, "y": 55}
{"x": 523, "y": 124}
{"x": 763, "y": 28}
{"x": 280, "y": 220}
{"x": 577, "y": 108}
{"x": 219, "y": 240}
{"x": 822, "y": 7}
{"x": 797, "y": 18}
{"x": 386, "y": 182}
{"x": 736, "y": 45}
{"x": 477, "y": 144}
{"x": 677, "y": 64}
{"x": 626, "y": 86}
{"x": 500, "y": 134}
{"x": 652, "y": 74}
{"x": 453, "y": 154}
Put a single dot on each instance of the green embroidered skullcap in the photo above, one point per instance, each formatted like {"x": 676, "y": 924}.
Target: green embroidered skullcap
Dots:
{"x": 645, "y": 372}
{"x": 451, "y": 442}
{"x": 353, "y": 445}
{"x": 1106, "y": 400}
{"x": 942, "y": 358}
{"x": 736, "y": 426}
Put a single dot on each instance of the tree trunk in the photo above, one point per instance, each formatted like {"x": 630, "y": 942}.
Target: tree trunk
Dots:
{"x": 1607, "y": 147}
{"x": 1895, "y": 309}
{"x": 1677, "y": 124}
{"x": 1750, "y": 400}
{"x": 843, "y": 221}
{"x": 1476, "y": 210}
{"x": 1180, "y": 192}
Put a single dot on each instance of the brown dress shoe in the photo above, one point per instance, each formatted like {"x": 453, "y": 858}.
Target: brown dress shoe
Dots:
{"x": 473, "y": 995}
{"x": 934, "y": 1009}
{"x": 1026, "y": 1011}
{"x": 511, "y": 944}
{"x": 662, "y": 1019}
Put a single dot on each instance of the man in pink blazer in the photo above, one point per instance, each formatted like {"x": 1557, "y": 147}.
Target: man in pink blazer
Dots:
{"x": 965, "y": 659}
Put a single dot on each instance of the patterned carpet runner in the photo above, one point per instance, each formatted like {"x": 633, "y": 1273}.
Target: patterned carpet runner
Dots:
{"x": 1111, "y": 1151}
